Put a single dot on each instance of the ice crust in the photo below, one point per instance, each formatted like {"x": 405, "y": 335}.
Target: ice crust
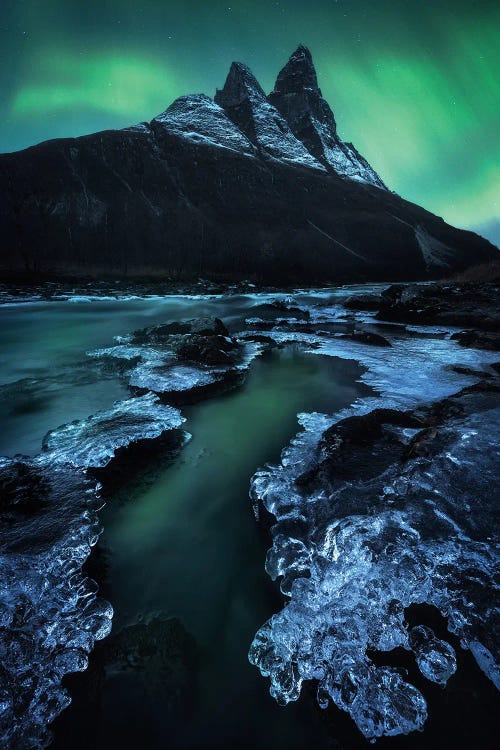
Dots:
{"x": 161, "y": 372}
{"x": 350, "y": 561}
{"x": 50, "y": 615}
{"x": 174, "y": 378}
{"x": 93, "y": 442}
{"x": 358, "y": 558}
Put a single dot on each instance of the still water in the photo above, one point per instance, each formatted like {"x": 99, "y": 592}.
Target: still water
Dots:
{"x": 181, "y": 541}
{"x": 188, "y": 546}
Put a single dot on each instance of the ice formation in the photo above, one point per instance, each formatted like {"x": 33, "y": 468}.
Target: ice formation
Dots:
{"x": 352, "y": 557}
{"x": 93, "y": 442}
{"x": 50, "y": 615}
{"x": 158, "y": 368}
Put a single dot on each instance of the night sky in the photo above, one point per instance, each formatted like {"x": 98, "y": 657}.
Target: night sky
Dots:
{"x": 413, "y": 83}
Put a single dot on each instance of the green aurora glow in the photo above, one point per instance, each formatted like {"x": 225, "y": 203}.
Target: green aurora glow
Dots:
{"x": 413, "y": 85}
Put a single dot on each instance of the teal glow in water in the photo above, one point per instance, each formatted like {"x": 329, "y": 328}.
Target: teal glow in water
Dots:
{"x": 46, "y": 379}
{"x": 188, "y": 546}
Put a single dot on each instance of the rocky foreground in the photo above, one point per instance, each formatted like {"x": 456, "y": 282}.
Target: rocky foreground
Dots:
{"x": 374, "y": 513}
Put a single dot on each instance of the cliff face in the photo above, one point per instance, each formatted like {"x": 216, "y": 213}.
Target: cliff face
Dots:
{"x": 242, "y": 186}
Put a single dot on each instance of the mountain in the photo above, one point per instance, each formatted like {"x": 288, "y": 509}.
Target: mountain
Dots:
{"x": 242, "y": 186}
{"x": 298, "y": 98}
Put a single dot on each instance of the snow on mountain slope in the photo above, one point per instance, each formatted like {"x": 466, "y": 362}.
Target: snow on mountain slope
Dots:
{"x": 245, "y": 103}
{"x": 298, "y": 98}
{"x": 294, "y": 124}
{"x": 199, "y": 119}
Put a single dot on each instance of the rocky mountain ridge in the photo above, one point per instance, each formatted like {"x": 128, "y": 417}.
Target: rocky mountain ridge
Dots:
{"x": 242, "y": 186}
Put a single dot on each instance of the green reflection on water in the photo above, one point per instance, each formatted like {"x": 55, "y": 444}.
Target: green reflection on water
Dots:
{"x": 188, "y": 544}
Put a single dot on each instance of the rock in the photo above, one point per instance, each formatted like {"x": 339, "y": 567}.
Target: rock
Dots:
{"x": 367, "y": 337}
{"x": 289, "y": 306}
{"x": 474, "y": 304}
{"x": 461, "y": 370}
{"x": 299, "y": 99}
{"x": 259, "y": 338}
{"x": 246, "y": 105}
{"x": 199, "y": 120}
{"x": 370, "y": 302}
{"x": 478, "y": 339}
{"x": 360, "y": 447}
{"x": 23, "y": 489}
{"x": 426, "y": 443}
{"x": 162, "y": 334}
{"x": 202, "y": 340}
{"x": 210, "y": 350}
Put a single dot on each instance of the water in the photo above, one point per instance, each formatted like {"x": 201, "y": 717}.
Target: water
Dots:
{"x": 181, "y": 558}
{"x": 47, "y": 380}
{"x": 185, "y": 542}
{"x": 188, "y": 546}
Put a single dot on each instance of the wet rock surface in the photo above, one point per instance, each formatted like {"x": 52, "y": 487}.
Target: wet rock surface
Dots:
{"x": 471, "y": 305}
{"x": 479, "y": 339}
{"x": 368, "y": 337}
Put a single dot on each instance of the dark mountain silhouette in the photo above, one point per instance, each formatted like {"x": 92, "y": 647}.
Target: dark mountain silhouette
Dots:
{"x": 242, "y": 186}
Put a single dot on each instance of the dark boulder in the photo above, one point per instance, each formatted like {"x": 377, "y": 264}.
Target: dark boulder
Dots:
{"x": 163, "y": 334}
{"x": 23, "y": 489}
{"x": 479, "y": 339}
{"x": 369, "y": 302}
{"x": 360, "y": 447}
{"x": 210, "y": 350}
{"x": 368, "y": 337}
{"x": 471, "y": 304}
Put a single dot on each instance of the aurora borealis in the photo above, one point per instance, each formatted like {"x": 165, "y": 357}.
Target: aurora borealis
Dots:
{"x": 414, "y": 85}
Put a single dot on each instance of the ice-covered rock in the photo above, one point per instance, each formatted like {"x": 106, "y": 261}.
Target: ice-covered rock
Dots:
{"x": 246, "y": 105}
{"x": 50, "y": 615}
{"x": 174, "y": 378}
{"x": 360, "y": 556}
{"x": 298, "y": 98}
{"x": 93, "y": 442}
{"x": 182, "y": 357}
{"x": 411, "y": 522}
